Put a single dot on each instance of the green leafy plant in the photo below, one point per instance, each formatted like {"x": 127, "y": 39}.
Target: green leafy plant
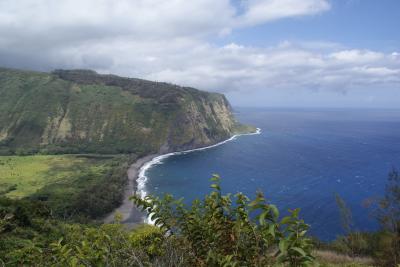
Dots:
{"x": 222, "y": 230}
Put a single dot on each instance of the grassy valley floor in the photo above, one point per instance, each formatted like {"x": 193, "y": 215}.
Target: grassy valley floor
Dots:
{"x": 72, "y": 185}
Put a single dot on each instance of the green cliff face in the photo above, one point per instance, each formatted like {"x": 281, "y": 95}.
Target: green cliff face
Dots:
{"x": 80, "y": 111}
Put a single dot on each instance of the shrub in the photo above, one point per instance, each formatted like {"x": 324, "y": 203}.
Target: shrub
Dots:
{"x": 148, "y": 237}
{"x": 223, "y": 230}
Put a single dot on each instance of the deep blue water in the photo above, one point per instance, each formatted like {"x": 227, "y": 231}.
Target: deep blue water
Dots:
{"x": 301, "y": 159}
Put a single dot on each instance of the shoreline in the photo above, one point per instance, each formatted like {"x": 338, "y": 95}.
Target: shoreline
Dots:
{"x": 131, "y": 216}
{"x": 137, "y": 180}
{"x": 142, "y": 178}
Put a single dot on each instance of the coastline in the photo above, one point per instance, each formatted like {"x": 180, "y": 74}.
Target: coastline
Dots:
{"x": 137, "y": 180}
{"x": 130, "y": 214}
{"x": 142, "y": 178}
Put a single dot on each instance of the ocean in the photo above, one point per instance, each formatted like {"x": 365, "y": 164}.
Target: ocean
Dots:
{"x": 301, "y": 159}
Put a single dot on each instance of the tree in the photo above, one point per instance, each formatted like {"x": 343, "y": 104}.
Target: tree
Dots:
{"x": 353, "y": 242}
{"x": 389, "y": 218}
{"x": 345, "y": 214}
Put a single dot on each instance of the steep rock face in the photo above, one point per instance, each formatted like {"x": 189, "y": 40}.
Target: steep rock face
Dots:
{"x": 80, "y": 111}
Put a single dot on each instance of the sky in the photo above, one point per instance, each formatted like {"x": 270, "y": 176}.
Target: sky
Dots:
{"x": 263, "y": 53}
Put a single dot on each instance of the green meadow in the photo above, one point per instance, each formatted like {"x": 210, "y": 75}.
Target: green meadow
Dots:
{"x": 21, "y": 176}
{"x": 72, "y": 185}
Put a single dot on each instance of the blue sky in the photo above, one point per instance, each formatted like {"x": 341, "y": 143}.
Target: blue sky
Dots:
{"x": 291, "y": 53}
{"x": 364, "y": 24}
{"x": 367, "y": 24}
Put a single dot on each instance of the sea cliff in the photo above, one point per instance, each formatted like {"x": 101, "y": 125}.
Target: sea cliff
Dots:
{"x": 81, "y": 111}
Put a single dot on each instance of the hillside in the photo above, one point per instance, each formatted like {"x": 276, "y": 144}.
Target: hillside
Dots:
{"x": 80, "y": 111}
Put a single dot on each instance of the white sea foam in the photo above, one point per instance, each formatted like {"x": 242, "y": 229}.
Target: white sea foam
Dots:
{"x": 142, "y": 178}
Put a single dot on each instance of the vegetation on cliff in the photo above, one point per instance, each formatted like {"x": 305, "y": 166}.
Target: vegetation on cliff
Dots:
{"x": 80, "y": 111}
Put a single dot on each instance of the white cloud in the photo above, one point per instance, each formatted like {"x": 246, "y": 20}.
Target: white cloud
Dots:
{"x": 75, "y": 20}
{"x": 170, "y": 41}
{"x": 85, "y": 19}
{"x": 261, "y": 11}
{"x": 357, "y": 56}
{"x": 379, "y": 71}
{"x": 237, "y": 67}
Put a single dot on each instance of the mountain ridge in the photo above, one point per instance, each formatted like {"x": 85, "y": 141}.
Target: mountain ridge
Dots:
{"x": 81, "y": 111}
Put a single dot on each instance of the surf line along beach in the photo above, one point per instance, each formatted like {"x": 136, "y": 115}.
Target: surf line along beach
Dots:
{"x": 137, "y": 181}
